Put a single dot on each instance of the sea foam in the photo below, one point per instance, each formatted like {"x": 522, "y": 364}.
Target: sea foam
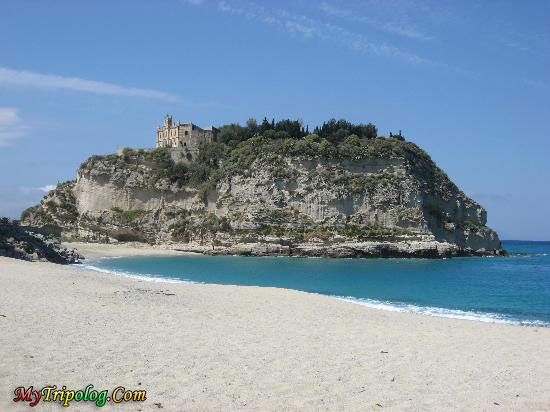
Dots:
{"x": 147, "y": 277}
{"x": 442, "y": 312}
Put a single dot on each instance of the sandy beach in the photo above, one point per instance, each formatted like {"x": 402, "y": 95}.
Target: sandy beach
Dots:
{"x": 212, "y": 347}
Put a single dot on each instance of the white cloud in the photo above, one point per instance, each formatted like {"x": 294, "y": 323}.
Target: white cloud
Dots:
{"x": 389, "y": 27}
{"x": 11, "y": 127}
{"x": 8, "y": 115}
{"x": 193, "y": 2}
{"x": 537, "y": 84}
{"x": 493, "y": 197}
{"x": 310, "y": 28}
{"x": 517, "y": 46}
{"x": 24, "y": 78}
{"x": 26, "y": 190}
{"x": 29, "y": 190}
{"x": 47, "y": 188}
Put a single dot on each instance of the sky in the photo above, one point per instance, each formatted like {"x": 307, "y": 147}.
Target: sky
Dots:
{"x": 466, "y": 80}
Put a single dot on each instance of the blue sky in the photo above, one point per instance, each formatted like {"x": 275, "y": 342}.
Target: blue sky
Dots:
{"x": 466, "y": 80}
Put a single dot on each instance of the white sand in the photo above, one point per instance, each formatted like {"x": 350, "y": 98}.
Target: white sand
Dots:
{"x": 211, "y": 347}
{"x": 98, "y": 250}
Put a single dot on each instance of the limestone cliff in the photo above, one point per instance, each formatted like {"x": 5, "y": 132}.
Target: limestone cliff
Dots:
{"x": 377, "y": 197}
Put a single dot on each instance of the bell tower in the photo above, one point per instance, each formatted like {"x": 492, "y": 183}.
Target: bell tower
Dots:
{"x": 167, "y": 121}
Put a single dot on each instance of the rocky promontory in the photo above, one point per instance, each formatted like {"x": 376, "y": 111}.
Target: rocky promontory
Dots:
{"x": 33, "y": 244}
{"x": 339, "y": 192}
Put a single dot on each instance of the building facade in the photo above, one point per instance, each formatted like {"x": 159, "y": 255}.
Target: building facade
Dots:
{"x": 185, "y": 135}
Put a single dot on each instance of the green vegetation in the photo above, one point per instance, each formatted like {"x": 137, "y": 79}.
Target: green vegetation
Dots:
{"x": 272, "y": 148}
{"x": 433, "y": 179}
{"x": 129, "y": 235}
{"x": 58, "y": 206}
{"x": 128, "y": 217}
{"x": 320, "y": 233}
{"x": 475, "y": 228}
{"x": 28, "y": 212}
{"x": 199, "y": 226}
{"x": 190, "y": 226}
{"x": 270, "y": 145}
{"x": 334, "y": 131}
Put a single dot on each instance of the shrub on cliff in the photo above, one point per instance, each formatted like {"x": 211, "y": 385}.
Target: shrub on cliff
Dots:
{"x": 335, "y": 131}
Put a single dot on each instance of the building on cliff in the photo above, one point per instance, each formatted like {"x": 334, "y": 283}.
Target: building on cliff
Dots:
{"x": 184, "y": 135}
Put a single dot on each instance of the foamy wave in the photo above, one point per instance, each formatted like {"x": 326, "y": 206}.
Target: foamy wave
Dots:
{"x": 144, "y": 277}
{"x": 442, "y": 312}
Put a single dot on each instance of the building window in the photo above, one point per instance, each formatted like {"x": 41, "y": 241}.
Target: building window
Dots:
{"x": 187, "y": 133}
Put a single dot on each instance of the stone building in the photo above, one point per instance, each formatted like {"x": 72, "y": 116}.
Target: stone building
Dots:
{"x": 185, "y": 135}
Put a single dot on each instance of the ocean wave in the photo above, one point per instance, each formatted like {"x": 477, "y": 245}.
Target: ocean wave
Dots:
{"x": 526, "y": 254}
{"x": 442, "y": 312}
{"x": 147, "y": 277}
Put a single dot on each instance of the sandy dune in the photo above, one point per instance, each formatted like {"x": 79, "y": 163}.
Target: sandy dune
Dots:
{"x": 210, "y": 347}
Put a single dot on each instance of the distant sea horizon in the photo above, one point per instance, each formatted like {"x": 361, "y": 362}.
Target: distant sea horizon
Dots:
{"x": 525, "y": 241}
{"x": 512, "y": 290}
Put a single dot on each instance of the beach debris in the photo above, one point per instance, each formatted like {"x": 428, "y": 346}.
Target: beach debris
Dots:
{"x": 383, "y": 351}
{"x": 496, "y": 403}
{"x": 158, "y": 405}
{"x": 163, "y": 292}
{"x": 379, "y": 405}
{"x": 4, "y": 316}
{"x": 393, "y": 379}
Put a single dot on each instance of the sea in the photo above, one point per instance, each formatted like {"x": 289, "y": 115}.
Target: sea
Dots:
{"x": 514, "y": 289}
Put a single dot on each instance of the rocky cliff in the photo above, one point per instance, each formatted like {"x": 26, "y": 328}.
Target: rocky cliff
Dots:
{"x": 306, "y": 197}
{"x": 33, "y": 244}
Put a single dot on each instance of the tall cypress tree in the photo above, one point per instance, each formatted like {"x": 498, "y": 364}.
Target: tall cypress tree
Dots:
{"x": 265, "y": 125}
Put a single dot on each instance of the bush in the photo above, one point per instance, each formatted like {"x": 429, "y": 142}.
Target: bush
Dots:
{"x": 129, "y": 235}
{"x": 232, "y": 131}
{"x": 336, "y": 131}
{"x": 29, "y": 212}
{"x": 128, "y": 217}
{"x": 321, "y": 233}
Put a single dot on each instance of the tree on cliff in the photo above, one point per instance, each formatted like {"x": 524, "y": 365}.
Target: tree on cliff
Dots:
{"x": 335, "y": 131}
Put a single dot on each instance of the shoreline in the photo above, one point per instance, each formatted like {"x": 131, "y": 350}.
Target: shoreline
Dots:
{"x": 357, "y": 250}
{"x": 431, "y": 311}
{"x": 92, "y": 251}
{"x": 104, "y": 251}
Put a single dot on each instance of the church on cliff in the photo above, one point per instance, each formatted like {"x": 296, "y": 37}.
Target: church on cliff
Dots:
{"x": 184, "y": 135}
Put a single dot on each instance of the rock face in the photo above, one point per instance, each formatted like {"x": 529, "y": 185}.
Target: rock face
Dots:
{"x": 383, "y": 197}
{"x": 33, "y": 244}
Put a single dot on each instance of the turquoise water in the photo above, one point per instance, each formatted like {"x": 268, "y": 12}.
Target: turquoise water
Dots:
{"x": 514, "y": 289}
